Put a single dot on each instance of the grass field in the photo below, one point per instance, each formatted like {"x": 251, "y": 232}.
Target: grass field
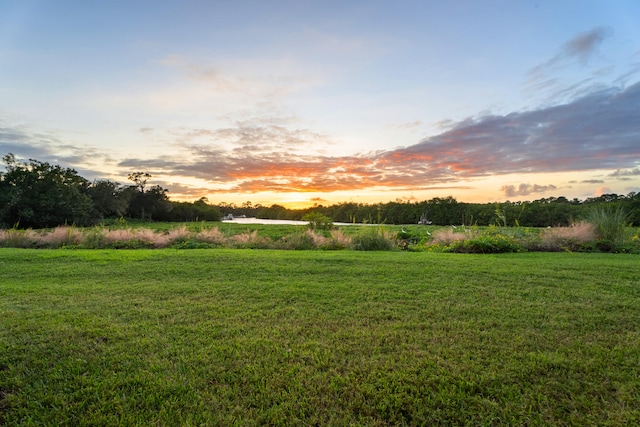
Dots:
{"x": 241, "y": 337}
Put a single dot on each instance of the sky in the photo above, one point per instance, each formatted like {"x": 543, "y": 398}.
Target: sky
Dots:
{"x": 308, "y": 102}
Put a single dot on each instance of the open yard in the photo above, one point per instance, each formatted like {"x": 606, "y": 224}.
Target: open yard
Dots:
{"x": 264, "y": 337}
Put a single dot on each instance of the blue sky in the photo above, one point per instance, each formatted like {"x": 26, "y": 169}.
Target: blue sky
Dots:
{"x": 303, "y": 102}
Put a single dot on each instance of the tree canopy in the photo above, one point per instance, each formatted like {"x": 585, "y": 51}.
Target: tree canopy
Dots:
{"x": 35, "y": 194}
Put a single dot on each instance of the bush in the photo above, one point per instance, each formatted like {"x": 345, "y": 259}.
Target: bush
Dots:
{"x": 485, "y": 244}
{"x": 373, "y": 239}
{"x": 301, "y": 241}
{"x": 318, "y": 221}
{"x": 94, "y": 239}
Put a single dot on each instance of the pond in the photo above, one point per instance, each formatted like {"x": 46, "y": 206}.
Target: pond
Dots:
{"x": 237, "y": 220}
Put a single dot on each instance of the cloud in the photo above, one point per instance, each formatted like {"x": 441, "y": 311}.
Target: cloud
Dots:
{"x": 29, "y": 143}
{"x": 585, "y": 44}
{"x": 598, "y": 131}
{"x": 575, "y": 52}
{"x": 625, "y": 173}
{"x": 255, "y": 78}
{"x": 595, "y": 132}
{"x": 603, "y": 190}
{"x": 525, "y": 189}
{"x": 579, "y": 49}
{"x": 407, "y": 125}
{"x": 592, "y": 181}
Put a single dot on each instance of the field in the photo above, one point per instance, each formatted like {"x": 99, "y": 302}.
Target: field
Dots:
{"x": 267, "y": 337}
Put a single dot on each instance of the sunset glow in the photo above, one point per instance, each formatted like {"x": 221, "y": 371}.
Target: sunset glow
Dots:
{"x": 321, "y": 102}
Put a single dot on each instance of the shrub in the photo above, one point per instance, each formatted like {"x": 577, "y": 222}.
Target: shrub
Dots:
{"x": 302, "y": 241}
{"x": 485, "y": 244}
{"x": 317, "y": 221}
{"x": 94, "y": 239}
{"x": 373, "y": 239}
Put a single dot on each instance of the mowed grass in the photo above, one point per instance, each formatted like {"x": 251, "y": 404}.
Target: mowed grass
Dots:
{"x": 241, "y": 337}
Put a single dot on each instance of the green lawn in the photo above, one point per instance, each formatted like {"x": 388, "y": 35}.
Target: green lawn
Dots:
{"x": 241, "y": 337}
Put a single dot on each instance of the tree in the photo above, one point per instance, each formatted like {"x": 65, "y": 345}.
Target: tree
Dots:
{"x": 140, "y": 179}
{"x": 146, "y": 201}
{"x": 109, "y": 199}
{"x": 317, "y": 221}
{"x": 38, "y": 195}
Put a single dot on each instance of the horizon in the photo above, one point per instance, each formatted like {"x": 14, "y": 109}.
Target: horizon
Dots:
{"x": 302, "y": 103}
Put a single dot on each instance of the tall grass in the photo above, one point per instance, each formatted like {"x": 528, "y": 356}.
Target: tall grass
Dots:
{"x": 14, "y": 238}
{"x": 447, "y": 236}
{"x": 212, "y": 236}
{"x": 611, "y": 224}
{"x": 606, "y": 231}
{"x": 570, "y": 238}
{"x": 373, "y": 239}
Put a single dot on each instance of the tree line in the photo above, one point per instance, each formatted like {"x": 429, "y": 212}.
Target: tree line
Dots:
{"x": 545, "y": 212}
{"x": 35, "y": 194}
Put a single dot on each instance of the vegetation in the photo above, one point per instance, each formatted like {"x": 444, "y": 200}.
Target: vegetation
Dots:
{"x": 579, "y": 237}
{"x": 41, "y": 195}
{"x": 35, "y": 194}
{"x": 552, "y": 211}
{"x": 612, "y": 225}
{"x": 240, "y": 337}
{"x": 317, "y": 221}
